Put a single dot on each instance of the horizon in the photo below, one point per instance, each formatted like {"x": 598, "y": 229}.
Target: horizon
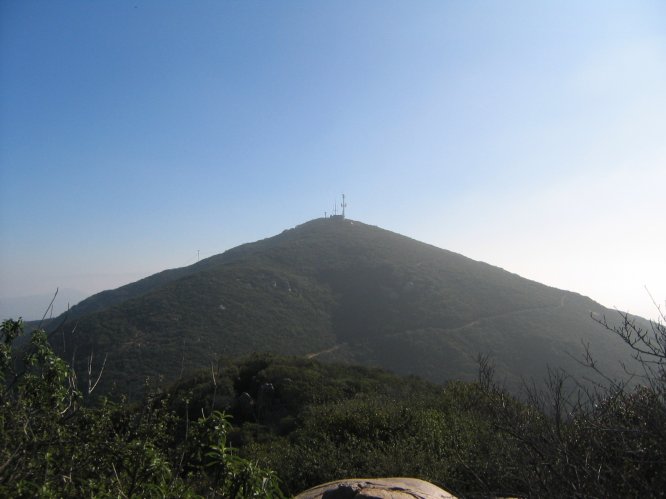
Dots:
{"x": 140, "y": 136}
{"x": 51, "y": 305}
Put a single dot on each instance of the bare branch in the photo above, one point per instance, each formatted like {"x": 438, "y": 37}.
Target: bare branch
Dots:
{"x": 91, "y": 385}
{"x": 50, "y": 307}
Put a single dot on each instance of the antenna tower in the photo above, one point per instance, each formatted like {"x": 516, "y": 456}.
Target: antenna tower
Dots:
{"x": 344, "y": 205}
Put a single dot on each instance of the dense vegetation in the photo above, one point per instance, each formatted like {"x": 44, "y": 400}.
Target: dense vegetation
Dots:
{"x": 53, "y": 445}
{"x": 345, "y": 291}
{"x": 312, "y": 422}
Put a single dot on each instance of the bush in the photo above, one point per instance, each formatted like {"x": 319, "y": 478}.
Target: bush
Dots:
{"x": 52, "y": 445}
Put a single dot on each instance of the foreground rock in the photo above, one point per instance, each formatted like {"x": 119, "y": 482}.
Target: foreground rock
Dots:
{"x": 376, "y": 488}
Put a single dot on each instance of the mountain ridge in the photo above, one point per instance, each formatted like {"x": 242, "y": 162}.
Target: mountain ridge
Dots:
{"x": 343, "y": 291}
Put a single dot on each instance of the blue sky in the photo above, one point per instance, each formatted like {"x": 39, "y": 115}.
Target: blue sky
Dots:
{"x": 529, "y": 135}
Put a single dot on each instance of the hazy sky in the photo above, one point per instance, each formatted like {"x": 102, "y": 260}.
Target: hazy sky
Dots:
{"x": 527, "y": 134}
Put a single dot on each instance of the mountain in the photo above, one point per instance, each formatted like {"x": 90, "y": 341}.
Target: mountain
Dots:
{"x": 337, "y": 289}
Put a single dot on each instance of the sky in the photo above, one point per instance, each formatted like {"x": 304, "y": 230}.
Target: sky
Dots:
{"x": 138, "y": 136}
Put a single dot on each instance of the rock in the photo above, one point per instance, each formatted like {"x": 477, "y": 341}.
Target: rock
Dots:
{"x": 376, "y": 488}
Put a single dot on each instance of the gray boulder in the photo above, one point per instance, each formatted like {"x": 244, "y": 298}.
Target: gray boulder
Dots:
{"x": 376, "y": 488}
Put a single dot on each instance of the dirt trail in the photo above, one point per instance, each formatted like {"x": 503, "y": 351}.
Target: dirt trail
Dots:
{"x": 478, "y": 321}
{"x": 473, "y": 323}
{"x": 328, "y": 350}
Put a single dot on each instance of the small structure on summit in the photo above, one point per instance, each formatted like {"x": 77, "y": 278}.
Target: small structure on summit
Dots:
{"x": 335, "y": 210}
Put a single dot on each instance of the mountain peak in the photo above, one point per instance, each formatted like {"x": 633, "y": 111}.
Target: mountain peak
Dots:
{"x": 339, "y": 289}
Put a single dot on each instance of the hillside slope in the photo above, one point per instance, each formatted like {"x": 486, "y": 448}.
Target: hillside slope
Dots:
{"x": 338, "y": 290}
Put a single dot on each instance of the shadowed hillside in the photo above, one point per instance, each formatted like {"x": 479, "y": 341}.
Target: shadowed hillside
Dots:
{"x": 339, "y": 290}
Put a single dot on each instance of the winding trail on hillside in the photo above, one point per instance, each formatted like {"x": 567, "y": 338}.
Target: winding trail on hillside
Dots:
{"x": 478, "y": 321}
{"x": 328, "y": 350}
{"x": 473, "y": 323}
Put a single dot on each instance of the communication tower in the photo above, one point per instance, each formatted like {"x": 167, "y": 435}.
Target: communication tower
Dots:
{"x": 343, "y": 205}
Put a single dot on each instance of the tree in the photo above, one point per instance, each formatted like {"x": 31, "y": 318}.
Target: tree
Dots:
{"x": 608, "y": 440}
